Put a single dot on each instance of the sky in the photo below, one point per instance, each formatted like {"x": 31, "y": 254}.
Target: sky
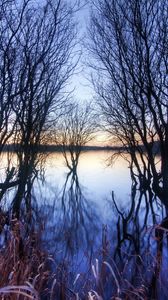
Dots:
{"x": 80, "y": 81}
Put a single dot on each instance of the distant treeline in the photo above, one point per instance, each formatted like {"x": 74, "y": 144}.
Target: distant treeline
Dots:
{"x": 58, "y": 148}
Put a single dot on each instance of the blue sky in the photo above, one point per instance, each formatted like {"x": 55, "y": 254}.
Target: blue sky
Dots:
{"x": 80, "y": 81}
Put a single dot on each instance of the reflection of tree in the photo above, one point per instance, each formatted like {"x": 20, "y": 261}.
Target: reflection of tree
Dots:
{"x": 20, "y": 175}
{"x": 16, "y": 190}
{"x": 28, "y": 166}
{"x": 68, "y": 221}
{"x": 78, "y": 216}
{"x": 129, "y": 227}
{"x": 64, "y": 218}
{"x": 70, "y": 229}
{"x": 138, "y": 250}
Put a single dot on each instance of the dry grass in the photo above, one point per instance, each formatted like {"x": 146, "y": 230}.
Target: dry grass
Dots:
{"x": 122, "y": 288}
{"x": 24, "y": 271}
{"x": 9, "y": 292}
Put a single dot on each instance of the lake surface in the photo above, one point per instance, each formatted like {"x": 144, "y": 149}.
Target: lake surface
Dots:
{"x": 82, "y": 221}
{"x": 88, "y": 221}
{"x": 96, "y": 178}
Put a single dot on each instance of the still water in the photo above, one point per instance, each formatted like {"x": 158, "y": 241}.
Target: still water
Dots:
{"x": 96, "y": 178}
{"x": 96, "y": 214}
{"x": 89, "y": 225}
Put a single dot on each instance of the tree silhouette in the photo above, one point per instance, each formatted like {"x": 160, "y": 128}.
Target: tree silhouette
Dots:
{"x": 129, "y": 40}
{"x": 10, "y": 25}
{"x": 75, "y": 131}
{"x": 37, "y": 46}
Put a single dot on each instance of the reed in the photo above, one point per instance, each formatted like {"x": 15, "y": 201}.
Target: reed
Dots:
{"x": 28, "y": 272}
{"x": 24, "y": 267}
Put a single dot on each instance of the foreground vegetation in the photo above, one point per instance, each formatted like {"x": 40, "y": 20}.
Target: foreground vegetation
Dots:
{"x": 29, "y": 271}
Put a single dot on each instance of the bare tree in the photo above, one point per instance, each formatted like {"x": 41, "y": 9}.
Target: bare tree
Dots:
{"x": 38, "y": 55}
{"x": 11, "y": 21}
{"x": 75, "y": 131}
{"x": 130, "y": 42}
{"x": 46, "y": 41}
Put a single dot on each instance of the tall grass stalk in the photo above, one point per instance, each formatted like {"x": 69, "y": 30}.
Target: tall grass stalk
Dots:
{"x": 25, "y": 290}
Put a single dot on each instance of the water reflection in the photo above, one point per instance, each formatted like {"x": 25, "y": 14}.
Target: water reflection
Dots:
{"x": 30, "y": 165}
{"x": 138, "y": 248}
{"x": 72, "y": 228}
{"x": 74, "y": 218}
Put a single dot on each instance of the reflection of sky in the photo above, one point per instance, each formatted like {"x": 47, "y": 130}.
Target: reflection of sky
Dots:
{"x": 102, "y": 179}
{"x": 99, "y": 181}
{"x": 64, "y": 228}
{"x": 95, "y": 177}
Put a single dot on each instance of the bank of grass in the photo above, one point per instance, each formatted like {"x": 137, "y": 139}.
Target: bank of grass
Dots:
{"x": 28, "y": 272}
{"x": 24, "y": 267}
